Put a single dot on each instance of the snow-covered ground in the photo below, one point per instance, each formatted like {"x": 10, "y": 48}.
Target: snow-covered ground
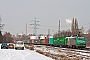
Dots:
{"x": 12, "y": 54}
{"x": 68, "y": 54}
{"x": 44, "y": 53}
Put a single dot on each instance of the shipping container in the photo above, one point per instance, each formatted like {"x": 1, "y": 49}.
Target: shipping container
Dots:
{"x": 28, "y": 41}
{"x": 55, "y": 40}
{"x": 33, "y": 37}
{"x": 50, "y": 40}
{"x": 36, "y": 41}
{"x": 41, "y": 41}
{"x": 46, "y": 41}
{"x": 32, "y": 41}
{"x": 42, "y": 37}
{"x": 59, "y": 41}
{"x": 62, "y": 40}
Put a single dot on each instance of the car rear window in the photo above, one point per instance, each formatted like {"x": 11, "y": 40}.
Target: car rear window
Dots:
{"x": 4, "y": 44}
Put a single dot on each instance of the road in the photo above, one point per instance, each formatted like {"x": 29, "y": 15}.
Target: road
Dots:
{"x": 12, "y": 54}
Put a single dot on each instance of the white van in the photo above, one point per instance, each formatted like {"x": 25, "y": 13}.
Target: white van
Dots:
{"x": 19, "y": 45}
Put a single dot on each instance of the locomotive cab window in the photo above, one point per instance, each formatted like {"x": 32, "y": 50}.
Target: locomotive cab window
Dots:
{"x": 80, "y": 38}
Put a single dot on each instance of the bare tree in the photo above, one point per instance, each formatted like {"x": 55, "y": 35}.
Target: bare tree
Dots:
{"x": 72, "y": 27}
{"x": 88, "y": 31}
{"x": 1, "y": 38}
{"x": 7, "y": 38}
{"x": 82, "y": 29}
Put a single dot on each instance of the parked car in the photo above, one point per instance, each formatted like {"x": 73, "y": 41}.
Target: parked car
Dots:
{"x": 11, "y": 46}
{"x": 4, "y": 46}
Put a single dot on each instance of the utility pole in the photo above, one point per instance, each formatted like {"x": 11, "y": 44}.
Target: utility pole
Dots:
{"x": 35, "y": 26}
{"x": 48, "y": 33}
{"x": 59, "y": 28}
{"x": 26, "y": 29}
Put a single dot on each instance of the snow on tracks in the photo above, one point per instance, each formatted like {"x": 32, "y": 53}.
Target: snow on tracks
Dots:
{"x": 61, "y": 53}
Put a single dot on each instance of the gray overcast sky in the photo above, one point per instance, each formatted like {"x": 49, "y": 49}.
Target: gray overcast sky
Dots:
{"x": 16, "y": 13}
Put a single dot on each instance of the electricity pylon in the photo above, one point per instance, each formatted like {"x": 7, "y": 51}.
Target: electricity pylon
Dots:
{"x": 35, "y": 26}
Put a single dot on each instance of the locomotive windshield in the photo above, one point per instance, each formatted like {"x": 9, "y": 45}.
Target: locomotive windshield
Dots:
{"x": 80, "y": 38}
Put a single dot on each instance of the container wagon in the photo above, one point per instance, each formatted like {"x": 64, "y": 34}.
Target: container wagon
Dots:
{"x": 58, "y": 41}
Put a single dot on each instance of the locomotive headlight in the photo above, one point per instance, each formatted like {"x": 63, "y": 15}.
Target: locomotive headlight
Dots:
{"x": 84, "y": 42}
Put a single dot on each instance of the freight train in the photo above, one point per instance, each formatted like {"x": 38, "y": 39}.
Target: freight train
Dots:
{"x": 62, "y": 41}
{"x": 71, "y": 42}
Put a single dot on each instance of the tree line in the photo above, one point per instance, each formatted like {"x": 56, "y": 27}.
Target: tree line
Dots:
{"x": 6, "y": 38}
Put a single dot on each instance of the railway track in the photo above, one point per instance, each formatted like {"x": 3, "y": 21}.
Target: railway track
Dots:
{"x": 58, "y": 53}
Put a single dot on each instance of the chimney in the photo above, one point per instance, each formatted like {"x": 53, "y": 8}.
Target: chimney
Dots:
{"x": 26, "y": 29}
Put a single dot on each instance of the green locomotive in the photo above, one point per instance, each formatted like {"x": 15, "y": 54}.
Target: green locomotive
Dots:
{"x": 76, "y": 42}
{"x": 72, "y": 42}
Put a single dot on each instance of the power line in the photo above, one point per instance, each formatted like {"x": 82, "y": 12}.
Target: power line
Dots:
{"x": 48, "y": 26}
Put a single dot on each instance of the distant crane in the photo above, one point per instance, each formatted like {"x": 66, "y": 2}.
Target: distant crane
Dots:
{"x": 35, "y": 26}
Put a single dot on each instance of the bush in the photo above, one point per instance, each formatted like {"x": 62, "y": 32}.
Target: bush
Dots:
{"x": 40, "y": 52}
{"x": 59, "y": 51}
{"x": 31, "y": 48}
{"x": 47, "y": 54}
{"x": 26, "y": 47}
